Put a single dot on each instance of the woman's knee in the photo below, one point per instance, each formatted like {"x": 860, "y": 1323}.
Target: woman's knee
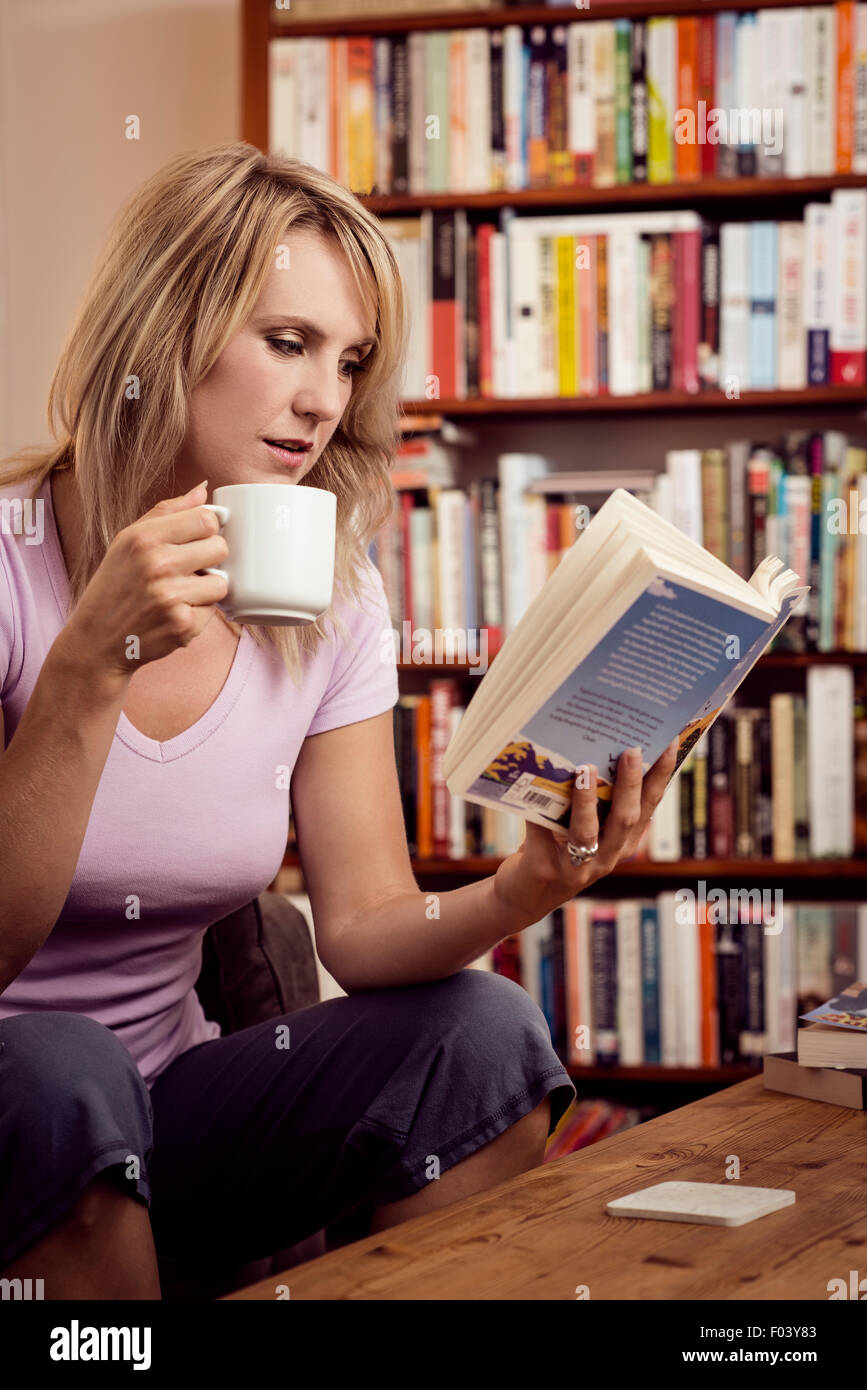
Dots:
{"x": 56, "y": 1065}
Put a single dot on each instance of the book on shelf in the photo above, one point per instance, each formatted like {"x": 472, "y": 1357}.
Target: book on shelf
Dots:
{"x": 749, "y": 789}
{"x": 475, "y": 556}
{"x": 583, "y": 305}
{"x": 674, "y": 981}
{"x": 667, "y": 634}
{"x": 601, "y": 102}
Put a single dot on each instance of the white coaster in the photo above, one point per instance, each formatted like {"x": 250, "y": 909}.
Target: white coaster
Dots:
{"x": 706, "y": 1203}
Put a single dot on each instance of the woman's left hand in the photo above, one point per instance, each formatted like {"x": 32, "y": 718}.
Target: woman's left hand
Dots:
{"x": 540, "y": 875}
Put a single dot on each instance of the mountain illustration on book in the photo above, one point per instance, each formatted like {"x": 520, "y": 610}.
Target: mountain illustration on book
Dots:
{"x": 531, "y": 775}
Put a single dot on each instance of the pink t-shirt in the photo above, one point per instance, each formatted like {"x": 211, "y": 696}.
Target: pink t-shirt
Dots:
{"x": 181, "y": 833}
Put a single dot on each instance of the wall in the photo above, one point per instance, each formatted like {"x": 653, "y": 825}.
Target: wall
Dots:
{"x": 70, "y": 72}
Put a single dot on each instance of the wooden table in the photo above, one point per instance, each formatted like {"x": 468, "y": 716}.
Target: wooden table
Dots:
{"x": 541, "y": 1235}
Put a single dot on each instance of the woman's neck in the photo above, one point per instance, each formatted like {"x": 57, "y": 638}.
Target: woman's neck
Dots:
{"x": 67, "y": 513}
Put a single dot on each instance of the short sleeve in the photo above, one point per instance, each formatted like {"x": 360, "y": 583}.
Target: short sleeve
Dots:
{"x": 364, "y": 675}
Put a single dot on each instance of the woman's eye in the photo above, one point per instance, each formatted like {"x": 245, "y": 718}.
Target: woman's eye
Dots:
{"x": 290, "y": 347}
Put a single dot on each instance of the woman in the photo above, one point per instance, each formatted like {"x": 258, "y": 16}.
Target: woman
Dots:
{"x": 241, "y": 301}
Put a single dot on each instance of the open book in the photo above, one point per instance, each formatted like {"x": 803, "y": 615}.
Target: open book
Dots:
{"x": 638, "y": 635}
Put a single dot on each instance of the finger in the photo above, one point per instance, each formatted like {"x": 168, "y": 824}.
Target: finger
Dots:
{"x": 193, "y": 523}
{"x": 193, "y": 498}
{"x": 658, "y": 779}
{"x": 584, "y": 816}
{"x": 625, "y": 810}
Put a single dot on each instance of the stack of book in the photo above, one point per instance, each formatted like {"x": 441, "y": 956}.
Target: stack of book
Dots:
{"x": 601, "y": 103}
{"x": 830, "y": 1062}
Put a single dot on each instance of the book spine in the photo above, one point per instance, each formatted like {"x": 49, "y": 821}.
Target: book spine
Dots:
{"x": 796, "y": 97}
{"x": 441, "y": 698}
{"x": 650, "y": 982}
{"x": 559, "y": 154}
{"x": 734, "y": 307}
{"x": 638, "y": 79}
{"x": 708, "y": 345}
{"x": 629, "y": 983}
{"x": 710, "y": 1049}
{"x": 661, "y": 97}
{"x": 834, "y": 759}
{"x": 498, "y": 122}
{"x": 725, "y": 95}
{"x": 763, "y": 307}
{"x": 745, "y": 69}
{"x": 730, "y": 991}
{"x": 753, "y": 1037}
{"x": 691, "y": 305}
{"x": 859, "y": 148}
{"x": 844, "y": 11}
{"x": 770, "y": 91}
{"x": 661, "y": 307}
{"x": 764, "y": 806}
{"x": 582, "y": 103}
{"x": 791, "y": 367}
{"x": 848, "y": 338}
{"x": 821, "y": 84}
{"x": 758, "y": 483}
{"x": 604, "y": 84}
{"x": 458, "y": 134}
{"x": 383, "y": 117}
{"x": 602, "y": 314}
{"x": 604, "y": 985}
{"x": 782, "y": 775}
{"x": 622, "y": 101}
{"x": 687, "y": 156}
{"x": 700, "y": 800}
{"x": 437, "y": 110}
{"x": 743, "y": 799}
{"x": 586, "y": 286}
{"x": 720, "y": 816}
{"x": 706, "y": 89}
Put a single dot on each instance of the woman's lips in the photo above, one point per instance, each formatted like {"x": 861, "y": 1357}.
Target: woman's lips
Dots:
{"x": 293, "y": 457}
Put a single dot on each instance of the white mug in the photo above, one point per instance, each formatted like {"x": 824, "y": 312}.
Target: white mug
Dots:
{"x": 281, "y": 539}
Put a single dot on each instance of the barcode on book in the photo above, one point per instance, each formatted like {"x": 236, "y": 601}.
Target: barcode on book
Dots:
{"x": 523, "y": 793}
{"x": 539, "y": 799}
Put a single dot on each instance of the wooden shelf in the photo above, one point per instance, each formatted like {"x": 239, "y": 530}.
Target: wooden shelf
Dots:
{"x": 513, "y": 14}
{"x": 681, "y": 872}
{"x": 673, "y": 1075}
{"x": 588, "y": 196}
{"x": 812, "y": 398}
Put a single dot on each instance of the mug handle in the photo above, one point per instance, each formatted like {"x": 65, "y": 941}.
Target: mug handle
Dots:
{"x": 222, "y": 517}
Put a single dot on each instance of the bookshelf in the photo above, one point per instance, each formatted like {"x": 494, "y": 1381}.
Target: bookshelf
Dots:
{"x": 739, "y": 198}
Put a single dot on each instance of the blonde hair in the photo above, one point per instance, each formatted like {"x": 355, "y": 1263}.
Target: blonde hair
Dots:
{"x": 185, "y": 262}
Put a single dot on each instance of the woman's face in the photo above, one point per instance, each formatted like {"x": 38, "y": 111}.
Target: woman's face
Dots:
{"x": 278, "y": 378}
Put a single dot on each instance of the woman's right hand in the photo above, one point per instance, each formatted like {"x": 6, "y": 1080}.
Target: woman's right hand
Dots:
{"x": 146, "y": 587}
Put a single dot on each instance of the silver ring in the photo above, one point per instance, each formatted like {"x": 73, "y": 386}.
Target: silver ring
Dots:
{"x": 579, "y": 854}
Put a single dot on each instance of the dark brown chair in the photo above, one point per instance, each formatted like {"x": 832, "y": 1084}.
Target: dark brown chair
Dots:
{"x": 257, "y": 963}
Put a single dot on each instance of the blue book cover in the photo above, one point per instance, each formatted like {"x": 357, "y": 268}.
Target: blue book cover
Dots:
{"x": 666, "y": 668}
{"x": 650, "y": 982}
{"x": 762, "y": 261}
